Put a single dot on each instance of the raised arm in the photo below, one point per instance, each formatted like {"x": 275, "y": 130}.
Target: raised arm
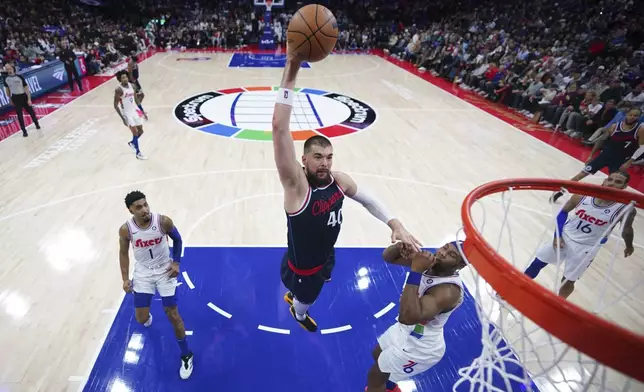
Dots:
{"x": 628, "y": 233}
{"x": 377, "y": 209}
{"x": 290, "y": 171}
{"x": 639, "y": 153}
{"x": 398, "y": 253}
{"x": 124, "y": 257}
{"x": 438, "y": 299}
{"x": 599, "y": 143}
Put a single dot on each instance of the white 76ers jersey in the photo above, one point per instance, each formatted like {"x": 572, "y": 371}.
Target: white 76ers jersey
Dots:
{"x": 428, "y": 335}
{"x": 128, "y": 102}
{"x": 150, "y": 245}
{"x": 589, "y": 221}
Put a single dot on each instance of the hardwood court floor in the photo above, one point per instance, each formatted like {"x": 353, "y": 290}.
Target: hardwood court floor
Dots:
{"x": 62, "y": 193}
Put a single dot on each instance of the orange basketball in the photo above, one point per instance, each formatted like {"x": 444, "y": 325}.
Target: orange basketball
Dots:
{"x": 312, "y": 32}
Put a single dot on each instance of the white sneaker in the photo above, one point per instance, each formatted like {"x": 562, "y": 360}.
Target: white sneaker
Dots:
{"x": 141, "y": 156}
{"x": 149, "y": 322}
{"x": 186, "y": 366}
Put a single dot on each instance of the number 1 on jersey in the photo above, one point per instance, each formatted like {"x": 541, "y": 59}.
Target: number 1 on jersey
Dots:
{"x": 333, "y": 220}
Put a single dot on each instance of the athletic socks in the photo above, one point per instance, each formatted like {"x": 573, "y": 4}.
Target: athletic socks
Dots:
{"x": 135, "y": 142}
{"x": 183, "y": 345}
{"x": 300, "y": 309}
{"x": 534, "y": 268}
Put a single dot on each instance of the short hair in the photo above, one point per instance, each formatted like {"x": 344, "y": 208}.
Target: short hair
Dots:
{"x": 119, "y": 73}
{"x": 133, "y": 197}
{"x": 624, "y": 174}
{"x": 316, "y": 141}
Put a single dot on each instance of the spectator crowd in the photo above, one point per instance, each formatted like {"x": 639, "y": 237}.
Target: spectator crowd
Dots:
{"x": 572, "y": 65}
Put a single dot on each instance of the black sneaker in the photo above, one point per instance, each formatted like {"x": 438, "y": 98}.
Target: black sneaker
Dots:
{"x": 24, "y": 134}
{"x": 288, "y": 298}
{"x": 37, "y": 126}
{"x": 307, "y": 323}
{"x": 555, "y": 196}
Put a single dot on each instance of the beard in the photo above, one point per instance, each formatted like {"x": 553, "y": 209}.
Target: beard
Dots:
{"x": 319, "y": 178}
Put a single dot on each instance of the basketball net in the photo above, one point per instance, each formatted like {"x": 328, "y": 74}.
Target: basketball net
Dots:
{"x": 518, "y": 353}
{"x": 269, "y": 4}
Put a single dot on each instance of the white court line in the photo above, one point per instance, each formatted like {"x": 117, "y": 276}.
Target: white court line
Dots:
{"x": 335, "y": 330}
{"x": 216, "y": 172}
{"x": 222, "y": 206}
{"x": 384, "y": 310}
{"x": 219, "y": 310}
{"x": 189, "y": 333}
{"x": 274, "y": 330}
{"x": 405, "y": 282}
{"x": 102, "y": 340}
{"x": 188, "y": 281}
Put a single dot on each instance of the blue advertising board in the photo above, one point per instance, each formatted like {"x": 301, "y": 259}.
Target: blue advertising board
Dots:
{"x": 41, "y": 80}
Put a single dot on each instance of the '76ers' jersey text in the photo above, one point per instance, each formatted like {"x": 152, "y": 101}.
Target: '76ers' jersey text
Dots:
{"x": 128, "y": 103}
{"x": 150, "y": 245}
{"x": 589, "y": 221}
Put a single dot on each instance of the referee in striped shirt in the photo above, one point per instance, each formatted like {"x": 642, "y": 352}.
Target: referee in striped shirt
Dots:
{"x": 20, "y": 97}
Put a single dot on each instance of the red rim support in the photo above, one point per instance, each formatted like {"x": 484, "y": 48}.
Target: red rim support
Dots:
{"x": 596, "y": 337}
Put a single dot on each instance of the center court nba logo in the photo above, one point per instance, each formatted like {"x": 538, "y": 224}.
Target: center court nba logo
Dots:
{"x": 247, "y": 112}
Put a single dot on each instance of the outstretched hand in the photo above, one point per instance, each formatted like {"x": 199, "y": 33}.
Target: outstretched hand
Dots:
{"x": 399, "y": 233}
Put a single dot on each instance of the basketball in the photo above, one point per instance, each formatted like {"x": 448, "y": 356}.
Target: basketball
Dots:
{"x": 312, "y": 32}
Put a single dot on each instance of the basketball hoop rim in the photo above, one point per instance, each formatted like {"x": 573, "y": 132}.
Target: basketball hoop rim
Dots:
{"x": 600, "y": 339}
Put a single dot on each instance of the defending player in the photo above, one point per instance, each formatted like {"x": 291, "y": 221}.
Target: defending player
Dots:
{"x": 620, "y": 150}
{"x": 154, "y": 268}
{"x": 432, "y": 293}
{"x": 125, "y": 104}
{"x": 313, "y": 197}
{"x": 133, "y": 74}
{"x": 581, "y": 237}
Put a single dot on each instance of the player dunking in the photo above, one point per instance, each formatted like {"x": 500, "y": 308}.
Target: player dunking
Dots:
{"x": 154, "y": 268}
{"x": 133, "y": 73}
{"x": 623, "y": 143}
{"x": 432, "y": 293}
{"x": 125, "y": 104}
{"x": 313, "y": 197}
{"x": 577, "y": 237}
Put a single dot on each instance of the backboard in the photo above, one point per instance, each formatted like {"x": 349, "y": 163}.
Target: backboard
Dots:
{"x": 276, "y": 3}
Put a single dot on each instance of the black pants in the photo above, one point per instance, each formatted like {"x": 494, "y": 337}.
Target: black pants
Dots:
{"x": 20, "y": 102}
{"x": 72, "y": 71}
{"x": 607, "y": 158}
{"x": 306, "y": 288}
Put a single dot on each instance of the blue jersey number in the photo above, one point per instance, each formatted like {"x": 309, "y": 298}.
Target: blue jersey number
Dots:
{"x": 584, "y": 227}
